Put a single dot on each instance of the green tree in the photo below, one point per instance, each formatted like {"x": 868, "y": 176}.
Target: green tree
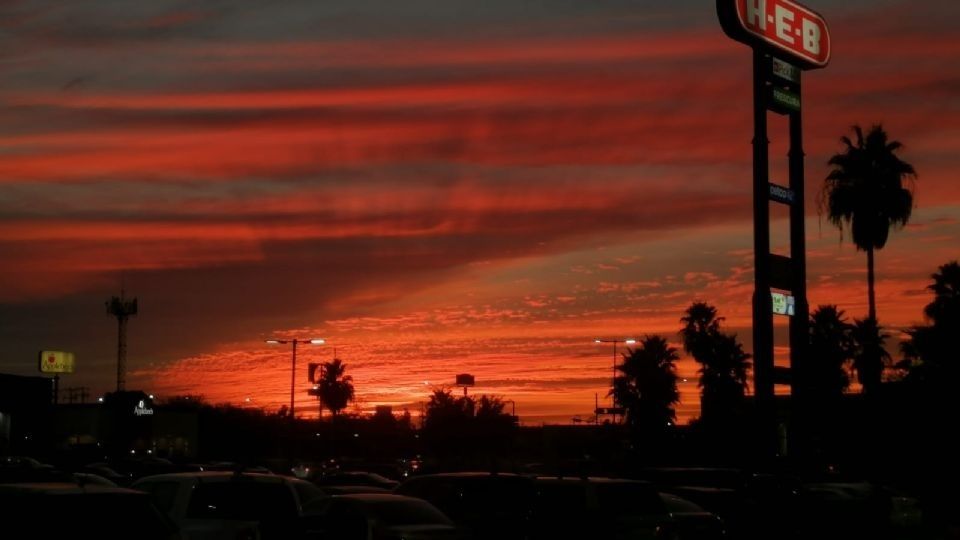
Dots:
{"x": 865, "y": 192}
{"x": 335, "y": 389}
{"x": 831, "y": 351}
{"x": 647, "y": 387}
{"x": 723, "y": 363}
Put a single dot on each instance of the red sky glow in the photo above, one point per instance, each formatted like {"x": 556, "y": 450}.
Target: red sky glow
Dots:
{"x": 434, "y": 187}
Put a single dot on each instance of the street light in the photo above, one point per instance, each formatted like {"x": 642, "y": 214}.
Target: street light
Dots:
{"x": 293, "y": 370}
{"x": 613, "y": 382}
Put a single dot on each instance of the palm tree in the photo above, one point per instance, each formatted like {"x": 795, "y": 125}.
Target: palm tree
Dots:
{"x": 865, "y": 192}
{"x": 723, "y": 363}
{"x": 335, "y": 389}
{"x": 700, "y": 324}
{"x": 869, "y": 354}
{"x": 831, "y": 349}
{"x": 930, "y": 351}
{"x": 648, "y": 386}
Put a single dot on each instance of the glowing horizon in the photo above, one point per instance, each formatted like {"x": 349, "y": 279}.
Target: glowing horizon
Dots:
{"x": 435, "y": 188}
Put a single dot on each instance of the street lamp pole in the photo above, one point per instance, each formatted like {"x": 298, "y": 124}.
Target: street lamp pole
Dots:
{"x": 613, "y": 381}
{"x": 293, "y": 368}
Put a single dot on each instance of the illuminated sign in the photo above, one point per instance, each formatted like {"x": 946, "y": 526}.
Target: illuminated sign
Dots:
{"x": 56, "y": 362}
{"x": 784, "y": 101}
{"x": 782, "y": 194}
{"x": 783, "y": 304}
{"x": 784, "y": 27}
{"x": 142, "y": 410}
{"x": 784, "y": 70}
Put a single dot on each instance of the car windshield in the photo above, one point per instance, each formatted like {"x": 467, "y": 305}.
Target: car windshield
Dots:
{"x": 253, "y": 501}
{"x": 407, "y": 512}
{"x": 107, "y": 516}
{"x": 629, "y": 498}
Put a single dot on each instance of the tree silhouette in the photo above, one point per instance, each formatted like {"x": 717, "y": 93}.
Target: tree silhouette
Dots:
{"x": 864, "y": 192}
{"x": 444, "y": 409}
{"x": 462, "y": 425}
{"x": 334, "y": 388}
{"x": 490, "y": 407}
{"x": 931, "y": 348}
{"x": 648, "y": 386}
{"x": 723, "y": 363}
{"x": 869, "y": 354}
{"x": 831, "y": 350}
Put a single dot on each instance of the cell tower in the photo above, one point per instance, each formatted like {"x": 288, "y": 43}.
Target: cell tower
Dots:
{"x": 121, "y": 308}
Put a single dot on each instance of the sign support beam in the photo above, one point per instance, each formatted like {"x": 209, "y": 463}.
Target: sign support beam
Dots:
{"x": 799, "y": 333}
{"x": 762, "y": 303}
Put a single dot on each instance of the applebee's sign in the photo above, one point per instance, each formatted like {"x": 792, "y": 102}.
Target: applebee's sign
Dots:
{"x": 785, "y": 28}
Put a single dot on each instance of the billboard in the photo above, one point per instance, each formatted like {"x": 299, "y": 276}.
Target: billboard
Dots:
{"x": 56, "y": 362}
{"x": 465, "y": 379}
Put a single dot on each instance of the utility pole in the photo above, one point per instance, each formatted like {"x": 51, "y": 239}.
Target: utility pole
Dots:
{"x": 121, "y": 308}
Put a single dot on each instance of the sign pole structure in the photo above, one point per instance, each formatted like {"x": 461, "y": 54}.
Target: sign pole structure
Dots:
{"x": 799, "y": 323}
{"x": 762, "y": 303}
{"x": 786, "y": 38}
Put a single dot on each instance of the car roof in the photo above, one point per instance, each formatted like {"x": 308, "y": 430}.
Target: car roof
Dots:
{"x": 63, "y": 488}
{"x": 467, "y": 475}
{"x": 590, "y": 479}
{"x": 217, "y": 476}
{"x": 377, "y": 497}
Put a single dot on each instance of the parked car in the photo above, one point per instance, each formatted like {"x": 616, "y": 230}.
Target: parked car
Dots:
{"x": 66, "y": 510}
{"x": 691, "y": 522}
{"x": 355, "y": 478}
{"x": 221, "y": 505}
{"x": 378, "y": 516}
{"x": 608, "y": 508}
{"x": 483, "y": 505}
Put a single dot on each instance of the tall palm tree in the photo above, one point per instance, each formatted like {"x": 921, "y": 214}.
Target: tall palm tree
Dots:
{"x": 865, "y": 192}
{"x": 869, "y": 354}
{"x": 723, "y": 363}
{"x": 700, "y": 324}
{"x": 831, "y": 350}
{"x": 931, "y": 350}
{"x": 648, "y": 386}
{"x": 335, "y": 388}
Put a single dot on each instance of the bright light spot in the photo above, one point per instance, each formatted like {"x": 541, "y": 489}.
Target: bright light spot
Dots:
{"x": 149, "y": 451}
{"x": 150, "y": 396}
{"x": 597, "y": 341}
{"x": 133, "y": 451}
{"x": 318, "y": 341}
{"x": 630, "y": 341}
{"x": 100, "y": 399}
{"x": 356, "y": 434}
{"x": 247, "y": 400}
{"x": 273, "y": 341}
{"x": 685, "y": 380}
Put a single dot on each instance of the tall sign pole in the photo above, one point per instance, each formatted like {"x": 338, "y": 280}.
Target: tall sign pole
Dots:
{"x": 787, "y": 38}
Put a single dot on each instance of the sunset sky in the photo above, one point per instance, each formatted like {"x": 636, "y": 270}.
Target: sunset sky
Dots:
{"x": 433, "y": 186}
